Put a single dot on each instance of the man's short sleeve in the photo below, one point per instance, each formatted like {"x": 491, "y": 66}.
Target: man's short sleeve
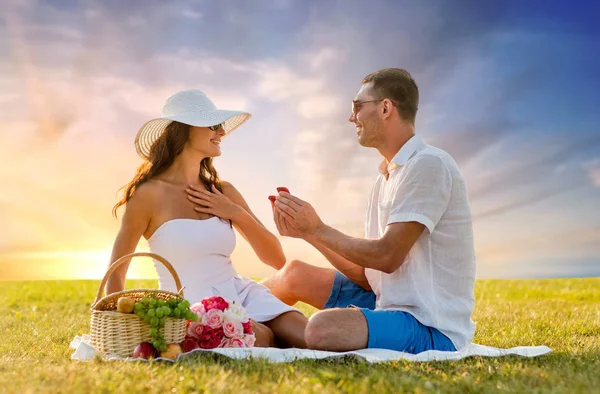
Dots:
{"x": 423, "y": 192}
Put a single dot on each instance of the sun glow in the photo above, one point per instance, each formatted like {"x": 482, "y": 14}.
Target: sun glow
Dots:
{"x": 74, "y": 264}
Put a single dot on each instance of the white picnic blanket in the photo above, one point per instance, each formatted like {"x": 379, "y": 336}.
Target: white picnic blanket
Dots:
{"x": 84, "y": 351}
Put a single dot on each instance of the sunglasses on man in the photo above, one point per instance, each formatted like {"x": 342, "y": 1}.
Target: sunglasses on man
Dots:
{"x": 357, "y": 104}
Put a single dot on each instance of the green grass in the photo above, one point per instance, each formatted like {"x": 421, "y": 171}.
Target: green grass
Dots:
{"x": 39, "y": 319}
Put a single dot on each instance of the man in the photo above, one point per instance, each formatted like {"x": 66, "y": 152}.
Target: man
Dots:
{"x": 409, "y": 283}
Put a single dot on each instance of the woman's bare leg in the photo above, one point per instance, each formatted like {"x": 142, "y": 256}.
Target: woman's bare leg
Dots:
{"x": 264, "y": 335}
{"x": 289, "y": 329}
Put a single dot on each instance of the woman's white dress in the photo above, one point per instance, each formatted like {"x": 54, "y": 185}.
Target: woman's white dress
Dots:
{"x": 200, "y": 251}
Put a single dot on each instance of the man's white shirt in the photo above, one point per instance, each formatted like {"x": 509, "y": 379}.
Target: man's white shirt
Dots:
{"x": 435, "y": 282}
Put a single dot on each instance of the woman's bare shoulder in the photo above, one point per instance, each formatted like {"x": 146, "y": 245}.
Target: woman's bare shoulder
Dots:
{"x": 229, "y": 189}
{"x": 232, "y": 193}
{"x": 146, "y": 194}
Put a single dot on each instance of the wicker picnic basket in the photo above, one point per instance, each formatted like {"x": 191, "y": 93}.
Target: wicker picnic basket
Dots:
{"x": 116, "y": 333}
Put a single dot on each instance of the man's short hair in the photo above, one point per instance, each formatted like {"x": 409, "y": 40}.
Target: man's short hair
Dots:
{"x": 397, "y": 85}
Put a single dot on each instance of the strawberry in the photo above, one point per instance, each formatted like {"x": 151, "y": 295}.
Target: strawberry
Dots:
{"x": 283, "y": 189}
{"x": 272, "y": 198}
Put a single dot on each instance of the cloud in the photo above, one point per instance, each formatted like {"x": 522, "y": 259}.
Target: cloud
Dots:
{"x": 279, "y": 82}
{"x": 523, "y": 163}
{"x": 593, "y": 170}
{"x": 464, "y": 142}
{"x": 191, "y": 14}
{"x": 531, "y": 198}
{"x": 282, "y": 4}
{"x": 324, "y": 58}
{"x": 445, "y": 41}
{"x": 579, "y": 243}
{"x": 91, "y": 13}
{"x": 318, "y": 107}
{"x": 136, "y": 21}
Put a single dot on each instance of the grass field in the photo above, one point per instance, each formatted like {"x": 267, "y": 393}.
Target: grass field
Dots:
{"x": 39, "y": 319}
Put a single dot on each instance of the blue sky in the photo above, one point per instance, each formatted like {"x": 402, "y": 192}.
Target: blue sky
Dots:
{"x": 509, "y": 89}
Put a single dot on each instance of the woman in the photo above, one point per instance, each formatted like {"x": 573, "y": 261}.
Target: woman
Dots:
{"x": 178, "y": 203}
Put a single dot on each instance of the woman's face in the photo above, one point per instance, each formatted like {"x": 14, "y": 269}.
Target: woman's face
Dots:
{"x": 205, "y": 140}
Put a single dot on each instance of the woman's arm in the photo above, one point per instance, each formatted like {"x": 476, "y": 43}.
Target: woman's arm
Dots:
{"x": 265, "y": 244}
{"x": 231, "y": 205}
{"x": 133, "y": 225}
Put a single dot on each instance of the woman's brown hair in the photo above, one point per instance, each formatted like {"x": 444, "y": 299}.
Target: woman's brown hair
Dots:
{"x": 162, "y": 154}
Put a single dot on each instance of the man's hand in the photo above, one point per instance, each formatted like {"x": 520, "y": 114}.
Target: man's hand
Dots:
{"x": 299, "y": 216}
{"x": 283, "y": 225}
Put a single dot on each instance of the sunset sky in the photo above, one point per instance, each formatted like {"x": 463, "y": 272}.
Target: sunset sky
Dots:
{"x": 510, "y": 89}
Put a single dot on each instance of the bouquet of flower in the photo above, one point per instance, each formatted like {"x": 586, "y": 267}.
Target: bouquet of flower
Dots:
{"x": 220, "y": 324}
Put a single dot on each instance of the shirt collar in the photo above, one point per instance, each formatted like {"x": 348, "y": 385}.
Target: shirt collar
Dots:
{"x": 407, "y": 150}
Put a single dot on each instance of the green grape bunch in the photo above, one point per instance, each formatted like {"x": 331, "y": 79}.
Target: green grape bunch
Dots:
{"x": 155, "y": 311}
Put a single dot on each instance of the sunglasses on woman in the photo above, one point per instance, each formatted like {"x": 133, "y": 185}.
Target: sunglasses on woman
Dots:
{"x": 216, "y": 127}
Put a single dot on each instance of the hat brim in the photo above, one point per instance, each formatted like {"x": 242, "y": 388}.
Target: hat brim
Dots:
{"x": 153, "y": 129}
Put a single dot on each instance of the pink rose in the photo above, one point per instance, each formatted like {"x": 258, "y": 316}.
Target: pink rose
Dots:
{"x": 195, "y": 329}
{"x": 213, "y": 318}
{"x": 211, "y": 338}
{"x": 215, "y": 302}
{"x": 250, "y": 340}
{"x": 232, "y": 328}
{"x": 224, "y": 342}
{"x": 233, "y": 342}
{"x": 198, "y": 309}
{"x": 237, "y": 342}
{"x": 247, "y": 327}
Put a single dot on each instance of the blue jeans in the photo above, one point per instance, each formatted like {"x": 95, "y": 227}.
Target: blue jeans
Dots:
{"x": 388, "y": 329}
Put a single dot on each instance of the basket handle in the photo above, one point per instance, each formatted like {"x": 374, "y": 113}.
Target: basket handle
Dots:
{"x": 113, "y": 267}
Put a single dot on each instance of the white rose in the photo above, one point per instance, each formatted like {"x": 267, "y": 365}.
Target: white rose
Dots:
{"x": 230, "y": 316}
{"x": 238, "y": 310}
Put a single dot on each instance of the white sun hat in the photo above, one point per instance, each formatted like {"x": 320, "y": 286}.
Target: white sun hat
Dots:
{"x": 191, "y": 107}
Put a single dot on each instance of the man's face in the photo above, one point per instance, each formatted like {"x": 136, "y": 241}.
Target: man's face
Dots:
{"x": 366, "y": 117}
